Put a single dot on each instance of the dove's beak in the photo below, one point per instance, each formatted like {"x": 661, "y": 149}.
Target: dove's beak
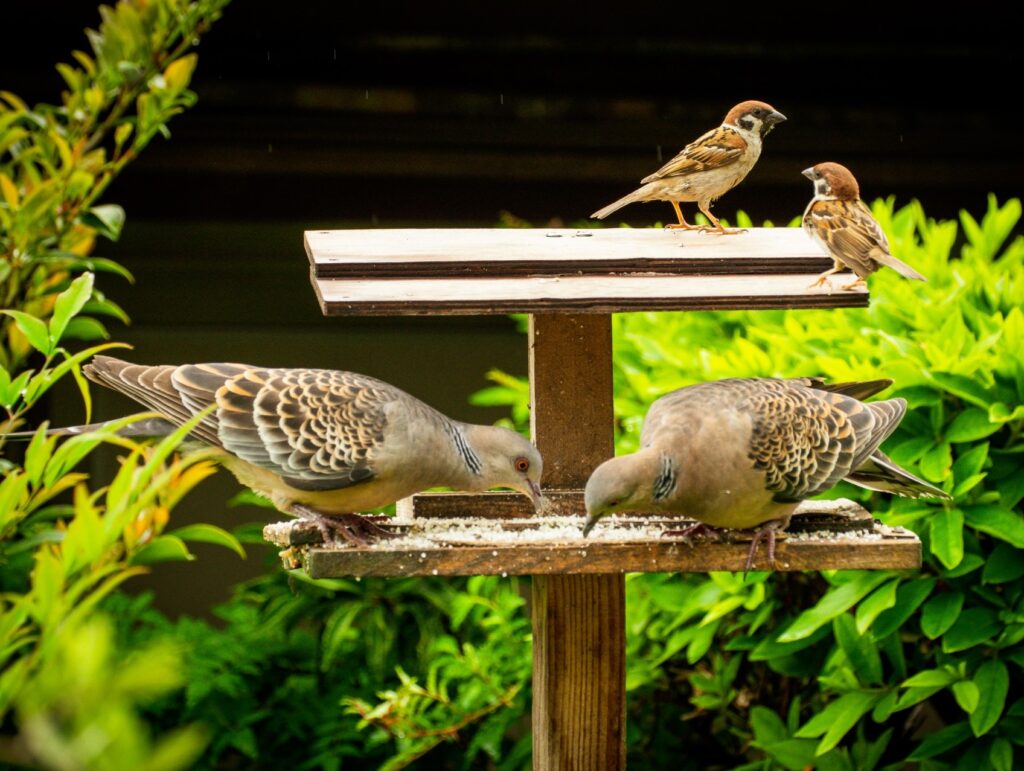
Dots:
{"x": 535, "y": 494}
{"x": 591, "y": 521}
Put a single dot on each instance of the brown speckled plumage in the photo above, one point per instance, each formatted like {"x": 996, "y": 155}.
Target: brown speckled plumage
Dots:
{"x": 838, "y": 220}
{"x": 708, "y": 167}
{"x": 329, "y": 440}
{"x": 743, "y": 452}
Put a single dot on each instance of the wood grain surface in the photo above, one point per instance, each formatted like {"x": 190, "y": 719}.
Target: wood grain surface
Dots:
{"x": 576, "y": 294}
{"x": 497, "y": 252}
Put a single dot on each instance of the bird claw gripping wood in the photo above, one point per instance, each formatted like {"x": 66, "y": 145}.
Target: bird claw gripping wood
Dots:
{"x": 353, "y": 528}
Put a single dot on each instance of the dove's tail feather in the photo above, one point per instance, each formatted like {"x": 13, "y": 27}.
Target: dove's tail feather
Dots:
{"x": 144, "y": 427}
{"x": 878, "y": 472}
{"x": 899, "y": 266}
{"x": 633, "y": 197}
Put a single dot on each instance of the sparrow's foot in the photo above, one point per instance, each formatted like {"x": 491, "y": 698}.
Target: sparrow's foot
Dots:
{"x": 698, "y": 529}
{"x": 856, "y": 284}
{"x": 683, "y": 226}
{"x": 721, "y": 231}
{"x": 766, "y": 531}
{"x": 356, "y": 529}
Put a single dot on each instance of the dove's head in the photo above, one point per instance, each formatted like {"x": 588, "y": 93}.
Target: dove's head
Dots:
{"x": 755, "y": 117}
{"x": 507, "y": 459}
{"x": 618, "y": 484}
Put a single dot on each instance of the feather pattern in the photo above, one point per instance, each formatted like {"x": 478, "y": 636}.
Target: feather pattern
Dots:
{"x": 317, "y": 429}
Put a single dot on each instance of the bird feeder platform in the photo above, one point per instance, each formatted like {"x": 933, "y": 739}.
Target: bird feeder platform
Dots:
{"x": 570, "y": 282}
{"x": 505, "y": 537}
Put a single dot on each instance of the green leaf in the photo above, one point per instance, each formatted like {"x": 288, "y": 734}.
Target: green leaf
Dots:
{"x": 967, "y": 695}
{"x": 970, "y": 425}
{"x": 940, "y": 612}
{"x": 1001, "y": 755}
{"x": 210, "y": 534}
{"x": 860, "y": 650}
{"x": 997, "y": 521}
{"x": 837, "y": 600}
{"x": 163, "y": 548}
{"x": 909, "y": 597}
{"x": 970, "y": 463}
{"x": 883, "y": 598}
{"x": 1000, "y": 413}
{"x": 946, "y": 527}
{"x": 930, "y": 678}
{"x": 964, "y": 387}
{"x": 937, "y": 463}
{"x": 941, "y": 741}
{"x": 107, "y": 220}
{"x": 973, "y": 627}
{"x": 992, "y": 680}
{"x": 1004, "y": 564}
{"x": 836, "y": 720}
{"x": 68, "y": 304}
{"x": 969, "y": 564}
{"x": 33, "y": 329}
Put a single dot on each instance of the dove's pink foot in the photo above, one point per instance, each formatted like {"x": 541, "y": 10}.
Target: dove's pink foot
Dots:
{"x": 354, "y": 528}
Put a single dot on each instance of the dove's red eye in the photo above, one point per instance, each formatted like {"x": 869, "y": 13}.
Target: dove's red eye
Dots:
{"x": 522, "y": 465}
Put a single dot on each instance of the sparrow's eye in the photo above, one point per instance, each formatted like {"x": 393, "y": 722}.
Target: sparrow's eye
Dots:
{"x": 522, "y": 465}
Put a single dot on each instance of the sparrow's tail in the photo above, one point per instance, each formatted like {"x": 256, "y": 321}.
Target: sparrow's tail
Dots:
{"x": 633, "y": 197}
{"x": 879, "y": 473}
{"x": 899, "y": 266}
{"x": 147, "y": 427}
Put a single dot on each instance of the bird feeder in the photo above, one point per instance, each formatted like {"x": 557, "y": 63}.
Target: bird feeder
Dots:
{"x": 570, "y": 282}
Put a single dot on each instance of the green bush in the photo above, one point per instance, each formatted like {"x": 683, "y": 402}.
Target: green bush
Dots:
{"x": 70, "y": 696}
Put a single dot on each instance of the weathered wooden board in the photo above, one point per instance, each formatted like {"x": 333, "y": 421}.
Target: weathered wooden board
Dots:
{"x": 503, "y": 538}
{"x": 576, "y": 294}
{"x": 510, "y": 252}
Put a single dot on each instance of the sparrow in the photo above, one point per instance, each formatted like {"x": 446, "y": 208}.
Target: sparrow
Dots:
{"x": 322, "y": 444}
{"x": 838, "y": 220}
{"x": 742, "y": 453}
{"x": 708, "y": 168}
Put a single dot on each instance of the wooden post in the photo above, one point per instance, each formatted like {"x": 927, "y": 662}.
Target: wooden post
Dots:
{"x": 579, "y": 629}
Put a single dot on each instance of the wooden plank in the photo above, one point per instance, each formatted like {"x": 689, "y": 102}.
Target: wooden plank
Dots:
{"x": 579, "y": 698}
{"x": 854, "y": 551}
{"x": 580, "y": 294}
{"x": 571, "y": 415}
{"x": 579, "y": 672}
{"x": 497, "y": 533}
{"x": 511, "y": 252}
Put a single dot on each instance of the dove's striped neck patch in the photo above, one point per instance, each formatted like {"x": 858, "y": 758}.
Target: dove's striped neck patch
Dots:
{"x": 462, "y": 446}
{"x": 665, "y": 482}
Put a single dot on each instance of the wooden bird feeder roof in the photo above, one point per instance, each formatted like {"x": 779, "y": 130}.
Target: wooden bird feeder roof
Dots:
{"x": 534, "y": 270}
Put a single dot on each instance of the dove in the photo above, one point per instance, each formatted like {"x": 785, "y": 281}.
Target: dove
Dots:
{"x": 708, "y": 167}
{"x": 324, "y": 444}
{"x": 742, "y": 453}
{"x": 839, "y": 221}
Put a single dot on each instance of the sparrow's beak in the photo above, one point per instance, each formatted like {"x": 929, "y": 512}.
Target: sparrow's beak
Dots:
{"x": 535, "y": 494}
{"x": 591, "y": 521}
{"x": 775, "y": 117}
{"x": 809, "y": 173}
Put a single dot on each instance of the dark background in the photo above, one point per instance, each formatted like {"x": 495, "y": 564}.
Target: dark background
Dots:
{"x": 312, "y": 115}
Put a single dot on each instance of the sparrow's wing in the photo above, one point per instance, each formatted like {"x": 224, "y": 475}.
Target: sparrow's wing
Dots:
{"x": 718, "y": 148}
{"x": 849, "y": 232}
